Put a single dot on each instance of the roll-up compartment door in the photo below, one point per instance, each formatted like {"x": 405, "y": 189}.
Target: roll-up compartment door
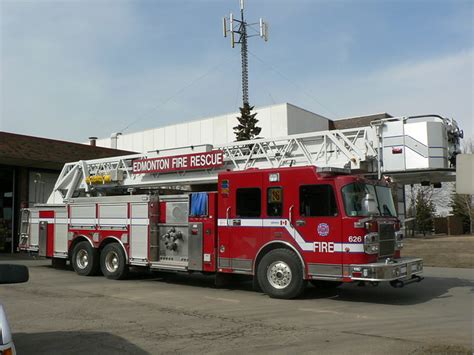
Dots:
{"x": 139, "y": 230}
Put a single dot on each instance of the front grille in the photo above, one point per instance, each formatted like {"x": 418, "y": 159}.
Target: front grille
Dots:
{"x": 387, "y": 239}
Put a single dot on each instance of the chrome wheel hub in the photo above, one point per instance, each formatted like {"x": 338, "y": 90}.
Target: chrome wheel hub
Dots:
{"x": 82, "y": 259}
{"x": 112, "y": 261}
{"x": 279, "y": 275}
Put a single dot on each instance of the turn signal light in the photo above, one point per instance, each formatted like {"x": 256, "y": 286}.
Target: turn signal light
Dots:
{"x": 371, "y": 226}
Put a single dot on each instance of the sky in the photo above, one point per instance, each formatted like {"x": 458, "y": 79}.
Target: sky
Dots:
{"x": 74, "y": 69}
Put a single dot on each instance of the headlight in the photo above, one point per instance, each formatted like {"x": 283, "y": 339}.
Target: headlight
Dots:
{"x": 371, "y": 248}
{"x": 371, "y": 238}
{"x": 371, "y": 243}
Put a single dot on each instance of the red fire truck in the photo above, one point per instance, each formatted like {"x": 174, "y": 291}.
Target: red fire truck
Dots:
{"x": 263, "y": 208}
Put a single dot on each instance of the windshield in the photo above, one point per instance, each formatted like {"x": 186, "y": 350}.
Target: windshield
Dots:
{"x": 385, "y": 201}
{"x": 357, "y": 195}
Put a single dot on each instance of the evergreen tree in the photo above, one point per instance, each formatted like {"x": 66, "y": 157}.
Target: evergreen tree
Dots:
{"x": 425, "y": 211}
{"x": 247, "y": 128}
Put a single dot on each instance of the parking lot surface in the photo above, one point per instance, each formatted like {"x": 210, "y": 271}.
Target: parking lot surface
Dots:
{"x": 58, "y": 311}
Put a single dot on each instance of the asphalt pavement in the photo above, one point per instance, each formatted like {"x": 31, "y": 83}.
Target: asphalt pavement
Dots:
{"x": 58, "y": 311}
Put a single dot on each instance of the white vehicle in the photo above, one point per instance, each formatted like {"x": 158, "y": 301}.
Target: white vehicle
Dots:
{"x": 9, "y": 274}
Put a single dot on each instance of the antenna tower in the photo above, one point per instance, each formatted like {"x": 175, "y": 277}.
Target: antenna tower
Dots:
{"x": 233, "y": 26}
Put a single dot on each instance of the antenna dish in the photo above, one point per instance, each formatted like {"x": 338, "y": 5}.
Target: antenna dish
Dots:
{"x": 241, "y": 26}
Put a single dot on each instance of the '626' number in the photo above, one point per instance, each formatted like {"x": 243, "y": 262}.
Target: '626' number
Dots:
{"x": 355, "y": 239}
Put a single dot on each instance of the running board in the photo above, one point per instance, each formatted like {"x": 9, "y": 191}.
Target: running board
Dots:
{"x": 166, "y": 266}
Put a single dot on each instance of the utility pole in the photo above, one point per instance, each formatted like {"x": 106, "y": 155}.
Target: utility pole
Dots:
{"x": 233, "y": 26}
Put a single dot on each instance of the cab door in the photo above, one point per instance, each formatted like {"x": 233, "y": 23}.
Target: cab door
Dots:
{"x": 316, "y": 220}
{"x": 240, "y": 220}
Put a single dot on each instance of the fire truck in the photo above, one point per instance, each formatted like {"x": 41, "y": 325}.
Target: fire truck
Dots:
{"x": 309, "y": 207}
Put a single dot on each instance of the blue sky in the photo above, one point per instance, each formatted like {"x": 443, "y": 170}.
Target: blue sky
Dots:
{"x": 71, "y": 69}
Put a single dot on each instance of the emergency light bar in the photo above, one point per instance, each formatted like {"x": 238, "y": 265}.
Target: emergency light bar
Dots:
{"x": 331, "y": 171}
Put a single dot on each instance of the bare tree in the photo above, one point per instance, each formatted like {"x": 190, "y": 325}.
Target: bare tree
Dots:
{"x": 463, "y": 205}
{"x": 421, "y": 209}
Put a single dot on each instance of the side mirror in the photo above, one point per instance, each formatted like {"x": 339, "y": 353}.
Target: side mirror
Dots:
{"x": 12, "y": 274}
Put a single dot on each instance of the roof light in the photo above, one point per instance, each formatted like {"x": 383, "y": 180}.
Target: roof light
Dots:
{"x": 275, "y": 177}
{"x": 331, "y": 171}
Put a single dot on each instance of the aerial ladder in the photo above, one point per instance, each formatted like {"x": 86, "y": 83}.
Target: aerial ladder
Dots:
{"x": 410, "y": 150}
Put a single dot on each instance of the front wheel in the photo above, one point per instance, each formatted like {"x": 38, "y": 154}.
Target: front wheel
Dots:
{"x": 113, "y": 262}
{"x": 280, "y": 274}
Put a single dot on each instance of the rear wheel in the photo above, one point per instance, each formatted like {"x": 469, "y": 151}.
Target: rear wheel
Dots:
{"x": 85, "y": 259}
{"x": 113, "y": 262}
{"x": 280, "y": 274}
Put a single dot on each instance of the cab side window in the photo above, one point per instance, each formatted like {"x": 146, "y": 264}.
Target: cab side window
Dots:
{"x": 317, "y": 201}
{"x": 274, "y": 201}
{"x": 249, "y": 202}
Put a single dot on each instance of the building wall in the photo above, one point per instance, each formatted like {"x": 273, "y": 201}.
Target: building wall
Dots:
{"x": 275, "y": 121}
{"x": 40, "y": 186}
{"x": 303, "y": 121}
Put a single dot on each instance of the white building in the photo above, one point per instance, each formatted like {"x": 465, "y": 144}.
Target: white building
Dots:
{"x": 276, "y": 121}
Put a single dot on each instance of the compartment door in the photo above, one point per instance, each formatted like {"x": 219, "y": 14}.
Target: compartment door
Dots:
{"x": 139, "y": 231}
{"x": 60, "y": 232}
{"x": 42, "y": 238}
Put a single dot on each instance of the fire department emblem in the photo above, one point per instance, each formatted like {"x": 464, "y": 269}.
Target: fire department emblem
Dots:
{"x": 323, "y": 229}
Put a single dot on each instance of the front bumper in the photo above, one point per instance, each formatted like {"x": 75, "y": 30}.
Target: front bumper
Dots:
{"x": 389, "y": 270}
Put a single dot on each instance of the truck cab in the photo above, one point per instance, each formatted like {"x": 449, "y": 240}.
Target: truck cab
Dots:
{"x": 334, "y": 227}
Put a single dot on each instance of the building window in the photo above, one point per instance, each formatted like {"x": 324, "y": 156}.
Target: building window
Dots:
{"x": 317, "y": 201}
{"x": 248, "y": 202}
{"x": 274, "y": 201}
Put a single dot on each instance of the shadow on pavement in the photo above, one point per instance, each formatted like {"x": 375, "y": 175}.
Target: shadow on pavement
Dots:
{"x": 430, "y": 288}
{"x": 233, "y": 282}
{"x": 71, "y": 342}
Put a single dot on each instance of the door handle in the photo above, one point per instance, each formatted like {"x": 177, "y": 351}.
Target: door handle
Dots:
{"x": 227, "y": 213}
{"x": 290, "y": 214}
{"x": 300, "y": 222}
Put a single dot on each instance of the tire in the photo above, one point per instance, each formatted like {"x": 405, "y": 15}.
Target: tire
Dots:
{"x": 58, "y": 263}
{"x": 113, "y": 262}
{"x": 327, "y": 285}
{"x": 12, "y": 274}
{"x": 280, "y": 274}
{"x": 85, "y": 259}
{"x": 256, "y": 285}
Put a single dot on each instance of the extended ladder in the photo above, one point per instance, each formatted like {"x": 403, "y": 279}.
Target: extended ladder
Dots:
{"x": 357, "y": 149}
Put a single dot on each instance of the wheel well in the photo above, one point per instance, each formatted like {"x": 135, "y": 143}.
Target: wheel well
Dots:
{"x": 276, "y": 245}
{"x": 76, "y": 240}
{"x": 110, "y": 240}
